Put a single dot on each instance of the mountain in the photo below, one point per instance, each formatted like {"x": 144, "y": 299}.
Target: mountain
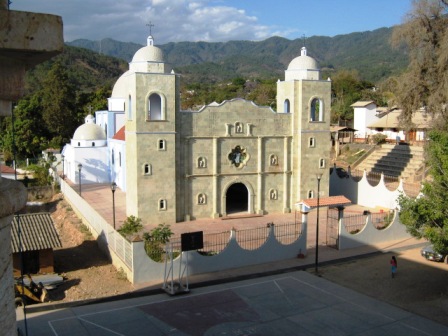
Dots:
{"x": 367, "y": 52}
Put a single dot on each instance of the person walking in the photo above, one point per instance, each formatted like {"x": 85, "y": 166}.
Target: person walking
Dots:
{"x": 393, "y": 265}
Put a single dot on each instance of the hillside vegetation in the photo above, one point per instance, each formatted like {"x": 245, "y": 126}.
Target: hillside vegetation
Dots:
{"x": 369, "y": 53}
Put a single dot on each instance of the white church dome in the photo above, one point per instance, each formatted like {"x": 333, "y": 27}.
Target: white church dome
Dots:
{"x": 303, "y": 62}
{"x": 89, "y": 131}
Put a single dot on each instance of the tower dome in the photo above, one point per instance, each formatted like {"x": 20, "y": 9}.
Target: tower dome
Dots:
{"x": 303, "y": 62}
{"x": 149, "y": 59}
{"x": 302, "y": 67}
{"x": 149, "y": 53}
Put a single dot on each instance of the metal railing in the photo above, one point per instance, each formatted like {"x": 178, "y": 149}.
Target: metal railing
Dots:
{"x": 248, "y": 239}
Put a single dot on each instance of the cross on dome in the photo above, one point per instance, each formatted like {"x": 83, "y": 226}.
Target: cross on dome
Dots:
{"x": 150, "y": 39}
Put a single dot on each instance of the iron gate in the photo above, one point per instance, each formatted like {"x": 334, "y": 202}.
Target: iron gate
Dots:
{"x": 333, "y": 228}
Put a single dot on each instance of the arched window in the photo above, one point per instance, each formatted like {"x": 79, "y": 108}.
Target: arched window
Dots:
{"x": 113, "y": 156}
{"x": 129, "y": 107}
{"x": 155, "y": 107}
{"x": 119, "y": 159}
{"x": 162, "y": 144}
{"x": 162, "y": 204}
{"x": 147, "y": 169}
{"x": 312, "y": 142}
{"x": 286, "y": 106}
{"x": 322, "y": 163}
{"x": 310, "y": 194}
{"x": 273, "y": 160}
{"x": 317, "y": 110}
{"x": 273, "y": 194}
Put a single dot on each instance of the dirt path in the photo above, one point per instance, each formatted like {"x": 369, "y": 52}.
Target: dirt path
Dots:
{"x": 88, "y": 272}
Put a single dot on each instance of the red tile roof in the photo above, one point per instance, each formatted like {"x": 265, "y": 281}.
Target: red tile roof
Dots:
{"x": 325, "y": 201}
{"x": 6, "y": 170}
{"x": 120, "y": 135}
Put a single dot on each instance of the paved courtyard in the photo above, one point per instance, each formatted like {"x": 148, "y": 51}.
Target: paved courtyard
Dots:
{"x": 297, "y": 303}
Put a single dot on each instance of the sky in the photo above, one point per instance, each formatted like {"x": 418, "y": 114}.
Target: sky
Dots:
{"x": 216, "y": 20}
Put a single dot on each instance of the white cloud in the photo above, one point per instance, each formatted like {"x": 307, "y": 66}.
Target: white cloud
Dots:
{"x": 174, "y": 20}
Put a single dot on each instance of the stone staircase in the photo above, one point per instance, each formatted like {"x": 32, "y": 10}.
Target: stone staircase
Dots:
{"x": 394, "y": 160}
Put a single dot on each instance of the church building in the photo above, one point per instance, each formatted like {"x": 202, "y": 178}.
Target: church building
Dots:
{"x": 229, "y": 157}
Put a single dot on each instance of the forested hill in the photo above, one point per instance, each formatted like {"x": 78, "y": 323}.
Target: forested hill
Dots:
{"x": 367, "y": 52}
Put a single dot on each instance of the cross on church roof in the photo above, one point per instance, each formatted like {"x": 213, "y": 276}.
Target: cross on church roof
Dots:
{"x": 150, "y": 25}
{"x": 304, "y": 39}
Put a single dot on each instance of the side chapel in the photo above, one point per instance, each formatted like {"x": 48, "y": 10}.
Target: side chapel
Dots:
{"x": 225, "y": 158}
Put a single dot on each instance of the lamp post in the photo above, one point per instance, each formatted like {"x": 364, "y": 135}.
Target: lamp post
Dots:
{"x": 113, "y": 187}
{"x": 319, "y": 176}
{"x": 63, "y": 170}
{"x": 79, "y": 170}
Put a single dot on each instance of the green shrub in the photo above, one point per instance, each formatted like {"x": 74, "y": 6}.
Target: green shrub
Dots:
{"x": 131, "y": 226}
{"x": 155, "y": 241}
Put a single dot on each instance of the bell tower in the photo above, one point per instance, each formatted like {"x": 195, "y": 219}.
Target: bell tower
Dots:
{"x": 150, "y": 94}
{"x": 308, "y": 98}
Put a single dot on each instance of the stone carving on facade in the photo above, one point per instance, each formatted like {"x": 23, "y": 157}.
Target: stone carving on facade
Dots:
{"x": 202, "y": 199}
{"x": 202, "y": 162}
{"x": 238, "y": 156}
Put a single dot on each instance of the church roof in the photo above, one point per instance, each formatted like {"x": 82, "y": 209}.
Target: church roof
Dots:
{"x": 120, "y": 135}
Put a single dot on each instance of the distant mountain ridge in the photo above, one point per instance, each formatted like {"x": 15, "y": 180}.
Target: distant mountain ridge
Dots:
{"x": 367, "y": 52}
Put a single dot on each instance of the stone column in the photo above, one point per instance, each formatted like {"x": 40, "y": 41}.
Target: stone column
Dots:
{"x": 340, "y": 222}
{"x": 216, "y": 198}
{"x": 187, "y": 179}
{"x": 260, "y": 190}
{"x": 286, "y": 184}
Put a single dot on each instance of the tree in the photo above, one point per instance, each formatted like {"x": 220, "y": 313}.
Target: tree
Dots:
{"x": 347, "y": 88}
{"x": 59, "y": 103}
{"x": 425, "y": 35}
{"x": 427, "y": 216}
{"x": 28, "y": 134}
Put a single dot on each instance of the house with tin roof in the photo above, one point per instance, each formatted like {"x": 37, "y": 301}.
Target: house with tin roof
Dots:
{"x": 33, "y": 238}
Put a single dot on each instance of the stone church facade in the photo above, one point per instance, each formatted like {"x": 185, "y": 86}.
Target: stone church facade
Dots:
{"x": 232, "y": 157}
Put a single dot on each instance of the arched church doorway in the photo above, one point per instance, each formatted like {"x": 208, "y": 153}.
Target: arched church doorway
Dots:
{"x": 237, "y": 199}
